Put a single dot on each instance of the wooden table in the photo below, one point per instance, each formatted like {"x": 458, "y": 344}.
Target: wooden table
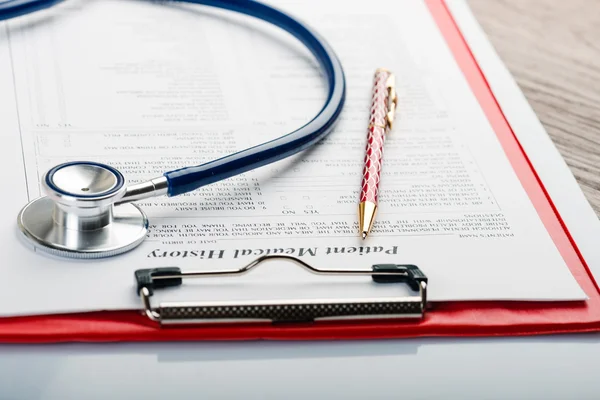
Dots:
{"x": 552, "y": 48}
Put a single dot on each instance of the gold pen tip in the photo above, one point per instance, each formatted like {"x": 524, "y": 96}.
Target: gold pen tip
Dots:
{"x": 364, "y": 235}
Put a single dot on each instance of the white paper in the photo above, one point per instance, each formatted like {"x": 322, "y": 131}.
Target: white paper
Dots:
{"x": 148, "y": 88}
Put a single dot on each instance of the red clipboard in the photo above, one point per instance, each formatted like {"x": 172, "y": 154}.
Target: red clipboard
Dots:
{"x": 444, "y": 319}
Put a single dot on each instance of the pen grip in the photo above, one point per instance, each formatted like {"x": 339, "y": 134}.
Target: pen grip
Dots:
{"x": 375, "y": 138}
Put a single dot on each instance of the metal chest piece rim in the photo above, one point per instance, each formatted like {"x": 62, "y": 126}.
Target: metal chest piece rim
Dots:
{"x": 78, "y": 218}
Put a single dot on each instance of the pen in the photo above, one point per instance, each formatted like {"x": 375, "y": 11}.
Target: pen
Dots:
{"x": 383, "y": 108}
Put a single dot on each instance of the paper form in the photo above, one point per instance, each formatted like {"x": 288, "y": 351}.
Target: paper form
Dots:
{"x": 152, "y": 87}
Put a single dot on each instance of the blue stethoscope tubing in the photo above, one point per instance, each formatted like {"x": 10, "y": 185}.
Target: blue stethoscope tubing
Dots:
{"x": 187, "y": 179}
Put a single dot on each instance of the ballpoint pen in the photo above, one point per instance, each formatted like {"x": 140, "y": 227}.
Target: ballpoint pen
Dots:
{"x": 383, "y": 108}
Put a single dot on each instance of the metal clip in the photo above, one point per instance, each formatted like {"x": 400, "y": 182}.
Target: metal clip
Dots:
{"x": 392, "y": 99}
{"x": 149, "y": 280}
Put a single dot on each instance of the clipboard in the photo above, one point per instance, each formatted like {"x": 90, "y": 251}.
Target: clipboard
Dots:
{"x": 409, "y": 316}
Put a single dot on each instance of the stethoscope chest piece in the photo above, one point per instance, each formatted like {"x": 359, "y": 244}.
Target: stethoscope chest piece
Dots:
{"x": 87, "y": 212}
{"x": 78, "y": 217}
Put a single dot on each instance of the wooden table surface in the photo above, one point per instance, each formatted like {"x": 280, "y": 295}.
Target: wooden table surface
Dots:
{"x": 552, "y": 48}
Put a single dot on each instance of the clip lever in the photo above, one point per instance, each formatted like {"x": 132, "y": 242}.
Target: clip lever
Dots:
{"x": 149, "y": 280}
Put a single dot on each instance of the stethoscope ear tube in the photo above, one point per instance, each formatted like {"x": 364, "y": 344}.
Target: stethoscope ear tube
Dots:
{"x": 15, "y": 8}
{"x": 190, "y": 178}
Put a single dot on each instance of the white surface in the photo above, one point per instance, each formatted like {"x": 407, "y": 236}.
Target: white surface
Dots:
{"x": 526, "y": 368}
{"x": 556, "y": 367}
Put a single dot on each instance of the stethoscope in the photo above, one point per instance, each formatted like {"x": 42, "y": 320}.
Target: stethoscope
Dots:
{"x": 88, "y": 212}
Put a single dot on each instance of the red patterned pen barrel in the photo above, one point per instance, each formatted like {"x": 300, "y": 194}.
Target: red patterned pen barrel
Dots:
{"x": 383, "y": 107}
